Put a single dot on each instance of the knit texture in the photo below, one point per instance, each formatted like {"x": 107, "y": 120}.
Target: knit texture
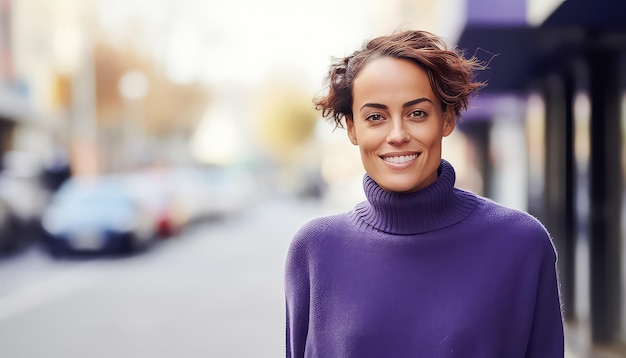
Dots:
{"x": 436, "y": 273}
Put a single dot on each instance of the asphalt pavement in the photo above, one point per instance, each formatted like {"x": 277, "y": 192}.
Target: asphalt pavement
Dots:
{"x": 216, "y": 290}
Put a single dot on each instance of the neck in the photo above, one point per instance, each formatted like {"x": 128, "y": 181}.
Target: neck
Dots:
{"x": 437, "y": 206}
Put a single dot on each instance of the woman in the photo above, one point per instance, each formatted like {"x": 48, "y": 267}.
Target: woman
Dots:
{"x": 420, "y": 269}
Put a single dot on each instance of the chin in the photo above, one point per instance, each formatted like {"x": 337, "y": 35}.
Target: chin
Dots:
{"x": 400, "y": 187}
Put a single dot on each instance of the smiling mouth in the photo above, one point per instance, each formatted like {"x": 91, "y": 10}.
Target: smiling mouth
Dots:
{"x": 400, "y": 159}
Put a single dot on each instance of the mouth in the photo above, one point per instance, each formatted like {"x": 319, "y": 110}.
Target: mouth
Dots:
{"x": 399, "y": 159}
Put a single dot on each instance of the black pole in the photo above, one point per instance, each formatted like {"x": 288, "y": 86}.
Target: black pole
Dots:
{"x": 605, "y": 184}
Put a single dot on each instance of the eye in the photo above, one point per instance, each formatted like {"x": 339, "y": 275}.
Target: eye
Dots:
{"x": 374, "y": 117}
{"x": 418, "y": 114}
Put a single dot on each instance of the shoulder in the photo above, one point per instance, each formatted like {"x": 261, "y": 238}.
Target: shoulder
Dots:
{"x": 513, "y": 224}
{"x": 497, "y": 214}
{"x": 315, "y": 231}
{"x": 320, "y": 227}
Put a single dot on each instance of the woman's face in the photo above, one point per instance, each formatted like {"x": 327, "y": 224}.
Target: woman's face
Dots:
{"x": 398, "y": 124}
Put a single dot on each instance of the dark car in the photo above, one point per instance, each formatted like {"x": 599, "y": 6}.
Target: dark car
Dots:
{"x": 9, "y": 233}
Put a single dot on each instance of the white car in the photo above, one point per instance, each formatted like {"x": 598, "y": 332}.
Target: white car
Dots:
{"x": 97, "y": 214}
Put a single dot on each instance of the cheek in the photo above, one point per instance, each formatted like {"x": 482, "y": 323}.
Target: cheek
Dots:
{"x": 368, "y": 141}
{"x": 427, "y": 136}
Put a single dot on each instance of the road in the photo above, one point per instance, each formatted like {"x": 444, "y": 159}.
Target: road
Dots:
{"x": 216, "y": 290}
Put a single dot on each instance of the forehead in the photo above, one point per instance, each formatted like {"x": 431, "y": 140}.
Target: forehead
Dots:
{"x": 392, "y": 78}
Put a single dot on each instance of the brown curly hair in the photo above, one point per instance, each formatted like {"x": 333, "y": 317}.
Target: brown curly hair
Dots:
{"x": 451, "y": 76}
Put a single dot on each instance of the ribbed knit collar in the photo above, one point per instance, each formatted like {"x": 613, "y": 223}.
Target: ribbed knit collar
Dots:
{"x": 437, "y": 206}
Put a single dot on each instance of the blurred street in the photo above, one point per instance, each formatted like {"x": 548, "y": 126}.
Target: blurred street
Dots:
{"x": 178, "y": 134}
{"x": 216, "y": 290}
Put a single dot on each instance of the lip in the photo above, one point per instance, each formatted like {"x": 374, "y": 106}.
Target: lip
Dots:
{"x": 400, "y": 154}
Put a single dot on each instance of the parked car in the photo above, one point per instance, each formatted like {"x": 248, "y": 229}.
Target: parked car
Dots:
{"x": 22, "y": 191}
{"x": 154, "y": 189}
{"x": 97, "y": 214}
{"x": 233, "y": 190}
{"x": 207, "y": 192}
{"x": 9, "y": 233}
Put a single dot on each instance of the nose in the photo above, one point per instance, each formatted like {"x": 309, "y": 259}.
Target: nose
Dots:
{"x": 397, "y": 132}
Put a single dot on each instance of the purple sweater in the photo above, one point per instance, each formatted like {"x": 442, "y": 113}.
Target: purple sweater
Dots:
{"x": 436, "y": 273}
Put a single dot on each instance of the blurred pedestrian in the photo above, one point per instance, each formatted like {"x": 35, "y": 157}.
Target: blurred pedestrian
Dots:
{"x": 421, "y": 268}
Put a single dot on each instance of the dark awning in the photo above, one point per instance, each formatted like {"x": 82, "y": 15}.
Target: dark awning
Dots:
{"x": 599, "y": 14}
{"x": 506, "y": 51}
{"x": 523, "y": 52}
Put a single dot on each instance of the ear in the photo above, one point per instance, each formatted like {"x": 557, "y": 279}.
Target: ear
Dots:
{"x": 351, "y": 130}
{"x": 449, "y": 122}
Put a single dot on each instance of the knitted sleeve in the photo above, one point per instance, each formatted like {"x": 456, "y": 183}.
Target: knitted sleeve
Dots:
{"x": 297, "y": 295}
{"x": 546, "y": 338}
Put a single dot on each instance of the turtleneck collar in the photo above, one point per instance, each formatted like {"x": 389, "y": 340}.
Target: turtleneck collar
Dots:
{"x": 437, "y": 206}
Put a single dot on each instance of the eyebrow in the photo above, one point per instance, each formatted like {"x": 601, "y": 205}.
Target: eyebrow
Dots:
{"x": 407, "y": 104}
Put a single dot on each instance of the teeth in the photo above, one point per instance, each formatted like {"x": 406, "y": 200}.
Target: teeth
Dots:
{"x": 401, "y": 159}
